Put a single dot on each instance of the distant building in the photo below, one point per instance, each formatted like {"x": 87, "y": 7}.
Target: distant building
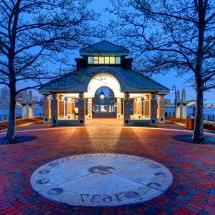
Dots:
{"x": 25, "y": 97}
{"x": 4, "y": 94}
{"x": 168, "y": 102}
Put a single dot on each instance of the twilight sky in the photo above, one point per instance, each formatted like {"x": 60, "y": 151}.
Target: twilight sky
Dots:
{"x": 168, "y": 79}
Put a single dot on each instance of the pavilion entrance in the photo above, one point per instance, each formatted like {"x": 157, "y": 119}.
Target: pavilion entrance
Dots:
{"x": 104, "y": 104}
{"x": 104, "y": 98}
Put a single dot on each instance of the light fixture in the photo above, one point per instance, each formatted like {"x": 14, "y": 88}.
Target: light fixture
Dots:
{"x": 102, "y": 95}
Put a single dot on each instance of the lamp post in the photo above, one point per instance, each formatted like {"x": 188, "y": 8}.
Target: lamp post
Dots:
{"x": 174, "y": 89}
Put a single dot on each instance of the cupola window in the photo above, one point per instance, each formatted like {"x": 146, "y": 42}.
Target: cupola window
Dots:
{"x": 104, "y": 60}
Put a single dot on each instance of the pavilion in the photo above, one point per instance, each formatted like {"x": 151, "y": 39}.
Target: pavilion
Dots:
{"x": 104, "y": 72}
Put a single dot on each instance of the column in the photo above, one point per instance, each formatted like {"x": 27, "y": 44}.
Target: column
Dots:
{"x": 183, "y": 107}
{"x": 61, "y": 106}
{"x": 161, "y": 109}
{"x": 24, "y": 111}
{"x": 146, "y": 107}
{"x": 135, "y": 106}
{"x": 54, "y": 109}
{"x": 81, "y": 115}
{"x": 153, "y": 109}
{"x": 30, "y": 113}
{"x": 66, "y": 107}
{"x": 73, "y": 108}
{"x": 139, "y": 107}
{"x": 178, "y": 112}
{"x": 90, "y": 108}
{"x": 70, "y": 105}
{"x": 183, "y": 111}
{"x": 119, "y": 108}
{"x": 126, "y": 109}
{"x": 142, "y": 102}
{"x": 46, "y": 108}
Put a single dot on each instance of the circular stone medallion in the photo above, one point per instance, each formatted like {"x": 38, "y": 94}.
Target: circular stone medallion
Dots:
{"x": 101, "y": 180}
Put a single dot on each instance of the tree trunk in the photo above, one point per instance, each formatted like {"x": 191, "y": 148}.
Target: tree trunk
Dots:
{"x": 198, "y": 136}
{"x": 11, "y": 131}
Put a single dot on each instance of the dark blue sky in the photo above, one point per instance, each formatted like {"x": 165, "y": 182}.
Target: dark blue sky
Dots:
{"x": 168, "y": 79}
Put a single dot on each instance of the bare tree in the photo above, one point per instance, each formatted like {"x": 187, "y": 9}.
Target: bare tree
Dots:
{"x": 172, "y": 35}
{"x": 35, "y": 35}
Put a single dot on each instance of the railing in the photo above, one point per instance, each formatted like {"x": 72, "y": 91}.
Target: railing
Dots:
{"x": 5, "y": 117}
{"x": 206, "y": 117}
{"x": 209, "y": 117}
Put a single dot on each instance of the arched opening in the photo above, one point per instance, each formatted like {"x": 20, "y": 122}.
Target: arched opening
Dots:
{"x": 104, "y": 103}
{"x": 104, "y": 80}
{"x": 104, "y": 97}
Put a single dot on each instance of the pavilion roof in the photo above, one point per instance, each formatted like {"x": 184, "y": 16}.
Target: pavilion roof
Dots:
{"x": 77, "y": 81}
{"x": 104, "y": 48}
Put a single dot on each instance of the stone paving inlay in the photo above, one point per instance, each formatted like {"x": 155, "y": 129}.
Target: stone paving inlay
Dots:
{"x": 101, "y": 179}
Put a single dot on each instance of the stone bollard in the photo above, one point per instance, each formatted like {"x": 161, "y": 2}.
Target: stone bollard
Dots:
{"x": 27, "y": 111}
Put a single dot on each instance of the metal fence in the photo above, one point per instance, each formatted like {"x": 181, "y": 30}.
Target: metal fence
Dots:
{"x": 206, "y": 117}
{"x": 209, "y": 117}
{"x": 4, "y": 117}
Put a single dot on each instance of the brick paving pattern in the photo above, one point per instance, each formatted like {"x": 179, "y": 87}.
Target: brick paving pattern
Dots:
{"x": 192, "y": 166}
